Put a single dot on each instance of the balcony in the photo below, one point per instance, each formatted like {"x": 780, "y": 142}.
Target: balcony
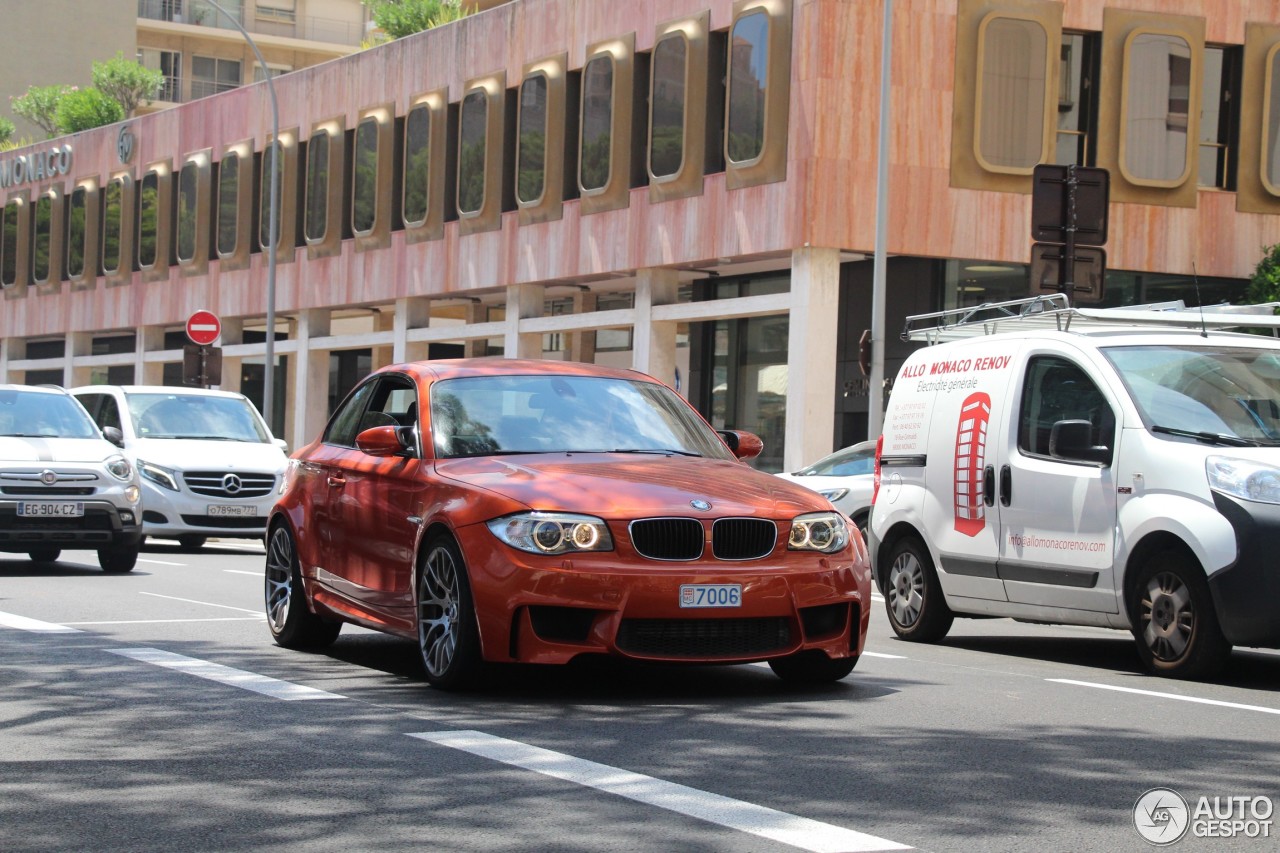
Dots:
{"x": 258, "y": 20}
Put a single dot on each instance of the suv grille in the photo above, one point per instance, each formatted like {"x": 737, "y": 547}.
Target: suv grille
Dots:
{"x": 677, "y": 638}
{"x": 668, "y": 538}
{"x": 233, "y": 486}
{"x": 743, "y": 538}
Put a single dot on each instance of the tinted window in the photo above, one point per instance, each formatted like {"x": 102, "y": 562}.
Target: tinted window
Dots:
{"x": 317, "y": 220}
{"x": 364, "y": 178}
{"x": 1157, "y": 91}
{"x": 1058, "y": 390}
{"x": 9, "y": 246}
{"x": 1011, "y": 93}
{"x": 188, "y": 205}
{"x": 748, "y": 63}
{"x": 271, "y": 156}
{"x": 346, "y": 420}
{"x": 532, "y": 160}
{"x": 112, "y": 219}
{"x": 43, "y": 235}
{"x": 666, "y": 138}
{"x": 148, "y": 219}
{"x": 417, "y": 163}
{"x": 228, "y": 202}
{"x": 597, "y": 123}
{"x": 1271, "y": 150}
{"x": 76, "y": 234}
{"x": 471, "y": 153}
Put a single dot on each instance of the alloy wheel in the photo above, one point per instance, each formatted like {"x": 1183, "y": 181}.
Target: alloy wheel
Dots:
{"x": 279, "y": 575}
{"x": 438, "y": 611}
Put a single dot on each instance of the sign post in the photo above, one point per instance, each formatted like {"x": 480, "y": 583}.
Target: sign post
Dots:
{"x": 201, "y": 362}
{"x": 1069, "y": 213}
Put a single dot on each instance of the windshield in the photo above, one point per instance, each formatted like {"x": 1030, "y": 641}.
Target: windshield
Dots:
{"x": 30, "y": 413}
{"x": 195, "y": 416}
{"x": 1217, "y": 391}
{"x": 486, "y": 415}
{"x": 852, "y": 461}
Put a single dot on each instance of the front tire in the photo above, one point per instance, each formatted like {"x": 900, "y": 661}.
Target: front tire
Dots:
{"x": 913, "y": 596}
{"x": 45, "y": 555}
{"x": 291, "y": 622}
{"x": 192, "y": 543}
{"x": 118, "y": 560}
{"x": 1174, "y": 623}
{"x": 448, "y": 638}
{"x": 812, "y": 667}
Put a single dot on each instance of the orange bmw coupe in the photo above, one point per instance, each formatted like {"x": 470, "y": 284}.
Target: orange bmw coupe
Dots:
{"x": 501, "y": 510}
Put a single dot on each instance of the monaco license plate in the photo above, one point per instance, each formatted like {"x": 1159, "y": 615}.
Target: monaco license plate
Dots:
{"x": 711, "y": 595}
{"x": 233, "y": 510}
{"x": 50, "y": 509}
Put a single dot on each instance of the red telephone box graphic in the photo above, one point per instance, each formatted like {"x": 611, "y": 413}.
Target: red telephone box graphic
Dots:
{"x": 971, "y": 455}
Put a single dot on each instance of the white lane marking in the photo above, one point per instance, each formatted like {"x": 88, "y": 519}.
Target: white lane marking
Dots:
{"x": 875, "y": 596}
{"x": 243, "y": 572}
{"x": 257, "y": 618}
{"x": 241, "y": 547}
{"x": 883, "y": 655}
{"x": 265, "y": 685}
{"x": 193, "y": 601}
{"x": 745, "y": 817}
{"x": 1196, "y": 699}
{"x": 22, "y": 623}
{"x": 160, "y": 562}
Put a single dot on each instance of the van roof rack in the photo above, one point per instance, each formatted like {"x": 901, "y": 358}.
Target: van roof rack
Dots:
{"x": 1053, "y": 311}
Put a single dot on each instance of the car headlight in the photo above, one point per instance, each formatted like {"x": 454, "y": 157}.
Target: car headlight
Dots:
{"x": 552, "y": 532}
{"x": 833, "y": 495}
{"x": 1243, "y": 478}
{"x": 119, "y": 468}
{"x": 159, "y": 474}
{"x": 827, "y": 532}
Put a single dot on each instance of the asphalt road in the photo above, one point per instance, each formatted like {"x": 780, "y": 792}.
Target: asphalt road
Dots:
{"x": 151, "y": 711}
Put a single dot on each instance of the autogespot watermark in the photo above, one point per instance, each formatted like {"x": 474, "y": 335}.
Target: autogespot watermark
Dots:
{"x": 1162, "y": 816}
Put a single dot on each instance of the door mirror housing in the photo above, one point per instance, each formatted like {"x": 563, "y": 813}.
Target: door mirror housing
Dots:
{"x": 745, "y": 445}
{"x": 1072, "y": 440}
{"x": 386, "y": 441}
{"x": 113, "y": 435}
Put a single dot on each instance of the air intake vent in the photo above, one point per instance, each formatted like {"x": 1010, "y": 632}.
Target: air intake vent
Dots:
{"x": 704, "y": 638}
{"x": 668, "y": 538}
{"x": 743, "y": 538}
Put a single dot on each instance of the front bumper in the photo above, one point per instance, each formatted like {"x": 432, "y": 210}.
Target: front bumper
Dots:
{"x": 167, "y": 513}
{"x": 535, "y": 609}
{"x": 103, "y": 525}
{"x": 1246, "y": 594}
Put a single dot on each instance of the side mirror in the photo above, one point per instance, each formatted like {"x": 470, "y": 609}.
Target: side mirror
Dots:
{"x": 282, "y": 444}
{"x": 1073, "y": 440}
{"x": 745, "y": 445}
{"x": 113, "y": 435}
{"x": 386, "y": 441}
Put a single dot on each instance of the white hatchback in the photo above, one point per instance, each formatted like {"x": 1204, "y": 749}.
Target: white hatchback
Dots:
{"x": 846, "y": 478}
{"x": 208, "y": 463}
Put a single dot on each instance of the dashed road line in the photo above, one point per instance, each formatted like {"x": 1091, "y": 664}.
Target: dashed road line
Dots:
{"x": 159, "y": 562}
{"x": 1196, "y": 699}
{"x": 242, "y": 572}
{"x": 883, "y": 655}
{"x": 22, "y": 623}
{"x": 265, "y": 685}
{"x": 800, "y": 832}
{"x": 205, "y": 603}
{"x": 175, "y": 621}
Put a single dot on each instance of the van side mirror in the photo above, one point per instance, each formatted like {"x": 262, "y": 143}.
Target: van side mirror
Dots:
{"x": 1073, "y": 440}
{"x": 113, "y": 435}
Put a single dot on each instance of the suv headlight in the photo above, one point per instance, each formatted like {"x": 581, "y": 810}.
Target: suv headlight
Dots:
{"x": 119, "y": 468}
{"x": 552, "y": 532}
{"x": 159, "y": 474}
{"x": 826, "y": 532}
{"x": 1243, "y": 478}
{"x": 833, "y": 495}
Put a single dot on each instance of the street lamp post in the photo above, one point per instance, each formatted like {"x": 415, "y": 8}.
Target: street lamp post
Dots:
{"x": 875, "y": 393}
{"x": 273, "y": 222}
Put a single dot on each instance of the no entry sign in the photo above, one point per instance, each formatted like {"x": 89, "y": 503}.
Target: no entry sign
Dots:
{"x": 203, "y": 327}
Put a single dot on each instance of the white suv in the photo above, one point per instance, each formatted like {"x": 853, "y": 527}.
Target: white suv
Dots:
{"x": 208, "y": 462}
{"x": 62, "y": 483}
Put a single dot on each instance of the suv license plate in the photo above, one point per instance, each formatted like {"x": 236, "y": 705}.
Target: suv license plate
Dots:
{"x": 233, "y": 510}
{"x": 59, "y": 509}
{"x": 711, "y": 595}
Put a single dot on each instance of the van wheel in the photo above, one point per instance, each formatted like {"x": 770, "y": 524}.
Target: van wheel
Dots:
{"x": 1171, "y": 611}
{"x": 912, "y": 595}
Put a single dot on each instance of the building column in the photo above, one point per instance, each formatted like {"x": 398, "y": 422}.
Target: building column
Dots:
{"x": 477, "y": 312}
{"x": 653, "y": 344}
{"x": 384, "y": 322}
{"x": 582, "y": 345}
{"x": 811, "y": 356}
{"x": 524, "y": 301}
{"x": 78, "y": 344}
{"x": 310, "y": 407}
{"x": 150, "y": 339}
{"x": 411, "y": 313}
{"x": 4, "y": 359}
{"x": 232, "y": 368}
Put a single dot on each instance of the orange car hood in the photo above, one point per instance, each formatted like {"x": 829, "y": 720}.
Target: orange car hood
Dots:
{"x": 628, "y": 486}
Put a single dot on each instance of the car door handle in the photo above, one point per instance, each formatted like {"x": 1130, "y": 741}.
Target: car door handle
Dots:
{"x": 989, "y": 485}
{"x": 336, "y": 480}
{"x": 1006, "y": 485}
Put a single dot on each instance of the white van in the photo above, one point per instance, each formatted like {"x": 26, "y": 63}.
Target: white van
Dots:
{"x": 208, "y": 463}
{"x": 1109, "y": 467}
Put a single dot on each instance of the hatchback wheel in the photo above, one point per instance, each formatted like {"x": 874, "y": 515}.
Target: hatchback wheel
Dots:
{"x": 447, "y": 633}
{"x": 1173, "y": 619}
{"x": 118, "y": 560}
{"x": 913, "y": 596}
{"x": 812, "y": 667}
{"x": 291, "y": 622}
{"x": 45, "y": 555}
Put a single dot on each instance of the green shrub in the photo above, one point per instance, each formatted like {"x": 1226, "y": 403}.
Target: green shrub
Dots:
{"x": 83, "y": 109}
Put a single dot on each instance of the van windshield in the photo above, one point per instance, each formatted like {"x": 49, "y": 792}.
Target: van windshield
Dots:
{"x": 195, "y": 416}
{"x": 1223, "y": 392}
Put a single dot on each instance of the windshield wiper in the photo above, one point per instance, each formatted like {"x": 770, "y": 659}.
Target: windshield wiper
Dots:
{"x": 663, "y": 450}
{"x": 1208, "y": 437}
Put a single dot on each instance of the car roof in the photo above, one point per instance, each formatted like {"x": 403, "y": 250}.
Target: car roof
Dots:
{"x": 177, "y": 390}
{"x": 456, "y": 368}
{"x": 39, "y": 389}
